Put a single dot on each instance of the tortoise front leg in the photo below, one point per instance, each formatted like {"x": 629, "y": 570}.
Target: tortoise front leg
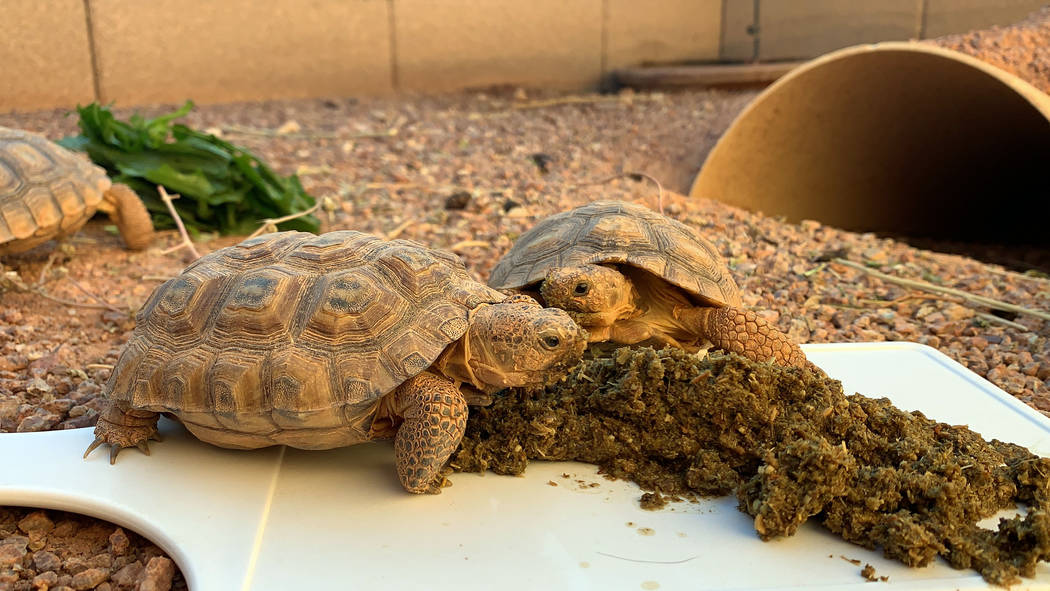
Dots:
{"x": 435, "y": 417}
{"x": 630, "y": 332}
{"x": 121, "y": 426}
{"x": 744, "y": 332}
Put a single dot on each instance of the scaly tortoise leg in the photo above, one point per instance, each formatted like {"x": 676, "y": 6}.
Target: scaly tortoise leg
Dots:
{"x": 744, "y": 332}
{"x": 122, "y": 204}
{"x": 124, "y": 427}
{"x": 435, "y": 417}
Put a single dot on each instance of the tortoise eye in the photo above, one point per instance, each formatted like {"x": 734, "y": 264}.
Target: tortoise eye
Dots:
{"x": 581, "y": 288}
{"x": 551, "y": 342}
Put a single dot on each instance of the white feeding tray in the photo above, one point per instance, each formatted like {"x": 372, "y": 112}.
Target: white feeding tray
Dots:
{"x": 278, "y": 519}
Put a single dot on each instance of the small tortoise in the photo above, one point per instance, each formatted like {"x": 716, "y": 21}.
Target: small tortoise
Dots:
{"x": 326, "y": 341}
{"x": 47, "y": 191}
{"x": 628, "y": 274}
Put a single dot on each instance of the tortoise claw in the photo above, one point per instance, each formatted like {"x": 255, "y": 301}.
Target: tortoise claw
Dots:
{"x": 94, "y": 445}
{"x": 113, "y": 451}
{"x": 143, "y": 447}
{"x": 156, "y": 436}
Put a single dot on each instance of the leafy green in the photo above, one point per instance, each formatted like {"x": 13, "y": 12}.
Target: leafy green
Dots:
{"x": 223, "y": 187}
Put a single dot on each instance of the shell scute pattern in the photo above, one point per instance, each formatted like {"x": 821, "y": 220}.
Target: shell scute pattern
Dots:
{"x": 622, "y": 233}
{"x": 45, "y": 190}
{"x": 294, "y": 334}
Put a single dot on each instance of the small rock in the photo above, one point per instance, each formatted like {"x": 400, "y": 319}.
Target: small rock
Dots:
{"x": 118, "y": 541}
{"x": 12, "y": 554}
{"x": 103, "y": 560}
{"x": 89, "y": 579}
{"x": 45, "y": 580}
{"x": 104, "y": 586}
{"x": 64, "y": 528}
{"x": 957, "y": 312}
{"x": 34, "y": 423}
{"x": 458, "y": 200}
{"x": 290, "y": 126}
{"x": 158, "y": 574}
{"x": 59, "y": 406}
{"x": 46, "y": 561}
{"x": 542, "y": 161}
{"x": 38, "y": 386}
{"x": 77, "y": 410}
{"x": 8, "y": 578}
{"x": 74, "y": 565}
{"x": 129, "y": 575}
{"x": 37, "y": 521}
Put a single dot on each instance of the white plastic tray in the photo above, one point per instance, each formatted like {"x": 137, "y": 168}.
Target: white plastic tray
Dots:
{"x": 280, "y": 518}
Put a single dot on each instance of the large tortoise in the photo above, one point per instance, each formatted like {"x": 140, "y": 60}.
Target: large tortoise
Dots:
{"x": 47, "y": 191}
{"x": 628, "y": 274}
{"x": 326, "y": 341}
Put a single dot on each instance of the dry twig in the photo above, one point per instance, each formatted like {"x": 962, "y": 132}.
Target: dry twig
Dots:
{"x": 468, "y": 244}
{"x": 270, "y": 224}
{"x": 98, "y": 299}
{"x": 186, "y": 242}
{"x": 311, "y": 135}
{"x": 392, "y": 234}
{"x": 924, "y": 286}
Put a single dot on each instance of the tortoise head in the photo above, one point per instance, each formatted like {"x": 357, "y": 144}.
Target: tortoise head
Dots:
{"x": 588, "y": 292}
{"x": 520, "y": 343}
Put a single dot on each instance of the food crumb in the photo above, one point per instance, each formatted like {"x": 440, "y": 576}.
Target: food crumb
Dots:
{"x": 650, "y": 585}
{"x": 552, "y": 483}
{"x": 868, "y": 572}
{"x": 852, "y": 561}
{"x": 646, "y": 531}
{"x": 585, "y": 564}
{"x": 653, "y": 501}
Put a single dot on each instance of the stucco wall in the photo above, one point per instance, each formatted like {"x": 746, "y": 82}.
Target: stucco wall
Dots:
{"x": 57, "y": 53}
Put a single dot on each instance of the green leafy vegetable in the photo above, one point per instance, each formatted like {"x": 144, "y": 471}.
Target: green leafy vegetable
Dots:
{"x": 223, "y": 187}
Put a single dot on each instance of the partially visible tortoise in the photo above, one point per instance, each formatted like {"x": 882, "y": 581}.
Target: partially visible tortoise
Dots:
{"x": 326, "y": 341}
{"x": 47, "y": 191}
{"x": 628, "y": 274}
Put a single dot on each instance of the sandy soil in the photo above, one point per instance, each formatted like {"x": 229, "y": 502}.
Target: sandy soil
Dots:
{"x": 469, "y": 172}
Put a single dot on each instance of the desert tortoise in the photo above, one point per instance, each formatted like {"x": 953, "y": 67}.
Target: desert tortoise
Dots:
{"x": 326, "y": 341}
{"x": 47, "y": 191}
{"x": 628, "y": 274}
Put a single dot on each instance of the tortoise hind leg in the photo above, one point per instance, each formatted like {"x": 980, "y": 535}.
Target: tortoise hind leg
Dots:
{"x": 124, "y": 427}
{"x": 127, "y": 211}
{"x": 435, "y": 417}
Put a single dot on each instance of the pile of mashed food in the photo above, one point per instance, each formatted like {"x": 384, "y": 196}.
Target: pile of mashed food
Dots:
{"x": 790, "y": 444}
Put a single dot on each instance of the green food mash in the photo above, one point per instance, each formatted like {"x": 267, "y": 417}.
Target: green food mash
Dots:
{"x": 790, "y": 444}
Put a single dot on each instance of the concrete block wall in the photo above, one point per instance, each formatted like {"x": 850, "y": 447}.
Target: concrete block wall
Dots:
{"x": 58, "y": 53}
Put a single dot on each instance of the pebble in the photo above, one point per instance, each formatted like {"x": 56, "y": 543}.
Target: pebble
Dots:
{"x": 34, "y": 423}
{"x": 45, "y": 561}
{"x": 89, "y": 579}
{"x": 158, "y": 574}
{"x": 45, "y": 580}
{"x": 11, "y": 554}
{"x": 128, "y": 575}
{"x": 118, "y": 541}
{"x": 37, "y": 521}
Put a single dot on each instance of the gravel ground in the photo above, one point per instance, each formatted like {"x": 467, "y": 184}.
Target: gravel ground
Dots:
{"x": 470, "y": 172}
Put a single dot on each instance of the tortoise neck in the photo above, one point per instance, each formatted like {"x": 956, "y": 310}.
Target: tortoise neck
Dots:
{"x": 454, "y": 363}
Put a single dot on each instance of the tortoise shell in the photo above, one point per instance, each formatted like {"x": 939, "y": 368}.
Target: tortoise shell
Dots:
{"x": 46, "y": 191}
{"x": 617, "y": 232}
{"x": 292, "y": 338}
